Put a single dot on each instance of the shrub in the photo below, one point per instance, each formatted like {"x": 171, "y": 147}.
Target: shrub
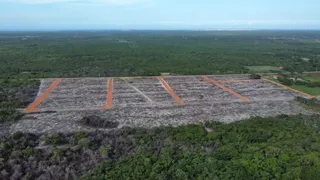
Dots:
{"x": 225, "y": 153}
{"x": 254, "y": 76}
{"x": 286, "y": 81}
{"x": 56, "y": 155}
{"x": 80, "y": 135}
{"x": 53, "y": 139}
{"x": 313, "y": 84}
{"x": 97, "y": 122}
{"x": 10, "y": 115}
{"x": 306, "y": 101}
{"x": 17, "y": 135}
{"x": 28, "y": 152}
{"x": 84, "y": 142}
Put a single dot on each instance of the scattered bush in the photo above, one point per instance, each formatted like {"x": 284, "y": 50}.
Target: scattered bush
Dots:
{"x": 54, "y": 139}
{"x": 313, "y": 84}
{"x": 9, "y": 115}
{"x": 81, "y": 134}
{"x": 17, "y": 93}
{"x": 97, "y": 122}
{"x": 307, "y": 100}
{"x": 28, "y": 151}
{"x": 254, "y": 76}
{"x": 285, "y": 80}
{"x": 84, "y": 143}
{"x": 17, "y": 135}
{"x": 283, "y": 147}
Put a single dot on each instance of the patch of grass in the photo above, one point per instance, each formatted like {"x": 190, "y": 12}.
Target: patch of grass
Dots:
{"x": 315, "y": 91}
{"x": 312, "y": 77}
{"x": 312, "y": 104}
{"x": 262, "y": 69}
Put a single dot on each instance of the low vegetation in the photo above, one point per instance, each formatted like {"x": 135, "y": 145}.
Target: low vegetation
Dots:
{"x": 97, "y": 122}
{"x": 263, "y": 69}
{"x": 313, "y": 104}
{"x": 17, "y": 93}
{"x": 306, "y": 83}
{"x": 283, "y": 147}
{"x": 9, "y": 115}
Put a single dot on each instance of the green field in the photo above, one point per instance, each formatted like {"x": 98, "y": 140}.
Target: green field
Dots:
{"x": 312, "y": 77}
{"x": 310, "y": 90}
{"x": 313, "y": 91}
{"x": 262, "y": 69}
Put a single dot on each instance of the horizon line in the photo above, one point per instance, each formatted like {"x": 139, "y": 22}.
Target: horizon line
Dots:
{"x": 137, "y": 29}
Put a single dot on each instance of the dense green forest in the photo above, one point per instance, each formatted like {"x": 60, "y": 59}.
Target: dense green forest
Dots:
{"x": 260, "y": 148}
{"x": 283, "y": 147}
{"x": 131, "y": 53}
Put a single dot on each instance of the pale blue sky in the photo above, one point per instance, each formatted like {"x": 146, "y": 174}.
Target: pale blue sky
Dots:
{"x": 159, "y": 14}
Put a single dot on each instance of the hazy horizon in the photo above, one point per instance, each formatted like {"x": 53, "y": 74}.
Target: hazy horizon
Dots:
{"x": 158, "y": 15}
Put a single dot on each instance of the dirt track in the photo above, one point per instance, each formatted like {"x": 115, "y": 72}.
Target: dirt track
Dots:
{"x": 150, "y": 102}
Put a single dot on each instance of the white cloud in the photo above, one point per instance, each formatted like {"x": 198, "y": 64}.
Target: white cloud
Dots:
{"x": 104, "y": 2}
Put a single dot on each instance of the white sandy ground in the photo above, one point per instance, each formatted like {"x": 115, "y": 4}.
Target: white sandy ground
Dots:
{"x": 143, "y": 102}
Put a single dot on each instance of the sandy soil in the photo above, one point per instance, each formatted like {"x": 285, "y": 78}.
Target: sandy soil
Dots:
{"x": 144, "y": 102}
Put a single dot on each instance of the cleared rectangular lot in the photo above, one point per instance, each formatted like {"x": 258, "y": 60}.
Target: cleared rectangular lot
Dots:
{"x": 155, "y": 101}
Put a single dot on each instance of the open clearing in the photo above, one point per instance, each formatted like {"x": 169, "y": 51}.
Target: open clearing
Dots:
{"x": 263, "y": 69}
{"x": 154, "y": 101}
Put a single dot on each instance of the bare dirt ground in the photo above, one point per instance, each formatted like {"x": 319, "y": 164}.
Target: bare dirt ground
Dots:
{"x": 146, "y": 102}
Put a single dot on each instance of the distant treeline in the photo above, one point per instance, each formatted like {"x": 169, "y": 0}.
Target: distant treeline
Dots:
{"x": 131, "y": 53}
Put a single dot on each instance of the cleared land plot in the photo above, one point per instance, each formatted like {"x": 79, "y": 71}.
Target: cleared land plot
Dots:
{"x": 75, "y": 94}
{"x": 262, "y": 69}
{"x": 145, "y": 102}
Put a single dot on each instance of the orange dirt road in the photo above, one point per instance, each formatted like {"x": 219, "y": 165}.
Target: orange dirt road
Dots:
{"x": 286, "y": 87}
{"x": 109, "y": 95}
{"x": 225, "y": 88}
{"x": 171, "y": 92}
{"x": 32, "y": 107}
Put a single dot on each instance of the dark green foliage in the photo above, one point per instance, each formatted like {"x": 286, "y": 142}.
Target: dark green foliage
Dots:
{"x": 17, "y": 93}
{"x": 307, "y": 101}
{"x": 313, "y": 84}
{"x": 188, "y": 133}
{"x": 284, "y": 147}
{"x": 84, "y": 142}
{"x": 311, "y": 172}
{"x": 132, "y": 53}
{"x": 54, "y": 139}
{"x": 81, "y": 134}
{"x": 17, "y": 135}
{"x": 9, "y": 115}
{"x": 302, "y": 83}
{"x": 285, "y": 80}
{"x": 97, "y": 122}
{"x": 28, "y": 151}
{"x": 254, "y": 76}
